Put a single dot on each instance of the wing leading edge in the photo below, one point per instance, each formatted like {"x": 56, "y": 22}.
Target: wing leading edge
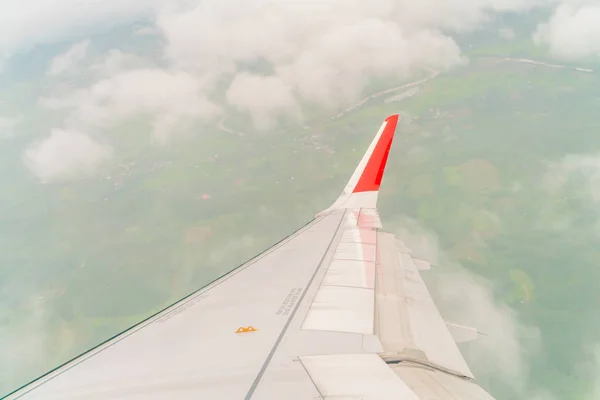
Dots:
{"x": 336, "y": 310}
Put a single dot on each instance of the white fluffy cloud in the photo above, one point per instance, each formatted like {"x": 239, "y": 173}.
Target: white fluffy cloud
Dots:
{"x": 324, "y": 52}
{"x": 26, "y": 23}
{"x": 116, "y": 61}
{"x": 271, "y": 56}
{"x": 69, "y": 60}
{"x": 217, "y": 35}
{"x": 172, "y": 100}
{"x": 29, "y": 22}
{"x": 573, "y": 31}
{"x": 262, "y": 97}
{"x": 65, "y": 155}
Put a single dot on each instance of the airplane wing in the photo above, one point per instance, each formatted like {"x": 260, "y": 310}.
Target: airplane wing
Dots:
{"x": 337, "y": 310}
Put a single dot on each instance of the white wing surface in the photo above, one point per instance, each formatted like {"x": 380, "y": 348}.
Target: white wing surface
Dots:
{"x": 337, "y": 310}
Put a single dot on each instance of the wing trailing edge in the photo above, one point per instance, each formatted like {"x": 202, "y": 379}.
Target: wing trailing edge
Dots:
{"x": 363, "y": 187}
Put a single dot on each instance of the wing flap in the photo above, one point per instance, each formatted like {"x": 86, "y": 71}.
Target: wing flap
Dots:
{"x": 359, "y": 235}
{"x": 346, "y": 297}
{"x": 369, "y": 218}
{"x": 341, "y": 309}
{"x": 355, "y": 377}
{"x": 351, "y": 273}
{"x": 428, "y": 383}
{"x": 356, "y": 252}
{"x": 408, "y": 321}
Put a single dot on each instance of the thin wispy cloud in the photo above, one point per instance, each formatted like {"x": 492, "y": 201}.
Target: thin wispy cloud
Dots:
{"x": 69, "y": 60}
{"x": 505, "y": 352}
{"x": 7, "y": 126}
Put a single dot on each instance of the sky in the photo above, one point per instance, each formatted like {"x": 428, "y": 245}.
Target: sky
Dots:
{"x": 183, "y": 65}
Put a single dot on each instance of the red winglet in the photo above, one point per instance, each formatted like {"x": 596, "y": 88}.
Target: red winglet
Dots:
{"x": 370, "y": 179}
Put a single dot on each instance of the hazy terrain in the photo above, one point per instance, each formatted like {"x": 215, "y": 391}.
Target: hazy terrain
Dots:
{"x": 133, "y": 172}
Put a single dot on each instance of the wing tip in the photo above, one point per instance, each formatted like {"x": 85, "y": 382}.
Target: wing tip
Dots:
{"x": 363, "y": 187}
{"x": 393, "y": 118}
{"x": 371, "y": 175}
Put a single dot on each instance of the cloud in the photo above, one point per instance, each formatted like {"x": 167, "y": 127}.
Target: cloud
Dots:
{"x": 24, "y": 24}
{"x": 115, "y": 61}
{"x": 572, "y": 188}
{"x": 269, "y": 57}
{"x": 69, "y": 60}
{"x": 507, "y": 33}
{"x": 173, "y": 101}
{"x": 573, "y": 31}
{"x": 331, "y": 73}
{"x": 468, "y": 299}
{"x": 65, "y": 155}
{"x": 145, "y": 31}
{"x": 573, "y": 166}
{"x": 27, "y": 23}
{"x": 262, "y": 97}
{"x": 323, "y": 52}
{"x": 7, "y": 126}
